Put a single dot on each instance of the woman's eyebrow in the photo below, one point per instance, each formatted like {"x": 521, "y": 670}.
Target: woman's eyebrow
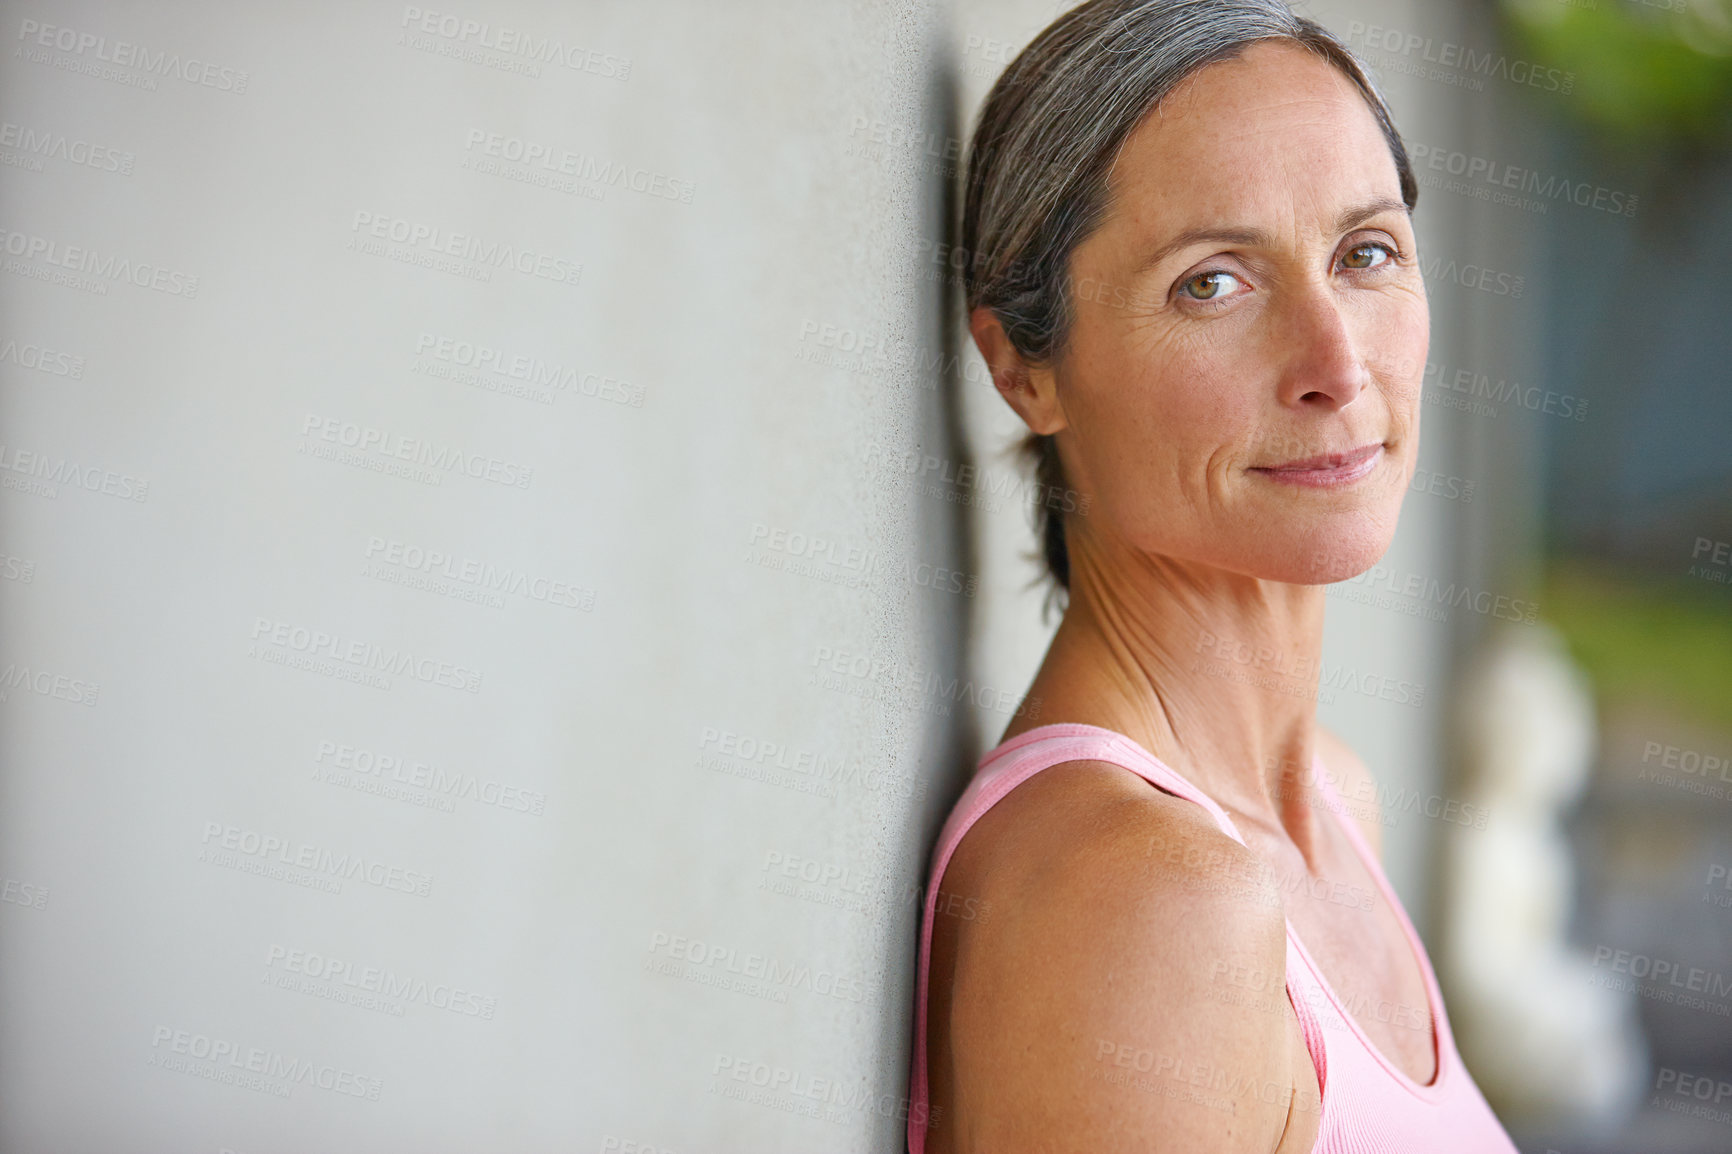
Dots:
{"x": 1356, "y": 215}
{"x": 1351, "y": 217}
{"x": 1254, "y": 237}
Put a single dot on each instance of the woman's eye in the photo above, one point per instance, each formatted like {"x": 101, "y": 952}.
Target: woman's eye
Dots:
{"x": 1209, "y": 286}
{"x": 1361, "y": 256}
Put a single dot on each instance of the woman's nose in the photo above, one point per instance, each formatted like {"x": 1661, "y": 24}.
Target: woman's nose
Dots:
{"x": 1322, "y": 364}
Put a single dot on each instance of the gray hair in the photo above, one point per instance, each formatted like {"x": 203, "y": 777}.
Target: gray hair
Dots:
{"x": 1049, "y": 133}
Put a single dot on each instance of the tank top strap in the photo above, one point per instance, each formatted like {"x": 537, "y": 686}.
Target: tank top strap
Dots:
{"x": 1333, "y": 801}
{"x": 1033, "y": 750}
{"x": 1310, "y": 1006}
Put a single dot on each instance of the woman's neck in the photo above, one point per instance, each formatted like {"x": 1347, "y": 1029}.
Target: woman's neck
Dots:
{"x": 1213, "y": 672}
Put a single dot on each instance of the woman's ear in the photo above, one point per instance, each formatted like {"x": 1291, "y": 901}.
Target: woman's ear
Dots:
{"x": 1032, "y": 390}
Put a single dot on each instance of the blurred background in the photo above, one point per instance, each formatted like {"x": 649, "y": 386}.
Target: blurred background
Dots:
{"x": 507, "y": 556}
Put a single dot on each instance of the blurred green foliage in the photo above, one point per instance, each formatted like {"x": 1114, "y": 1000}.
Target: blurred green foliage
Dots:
{"x": 1655, "y": 640}
{"x": 1645, "y": 70}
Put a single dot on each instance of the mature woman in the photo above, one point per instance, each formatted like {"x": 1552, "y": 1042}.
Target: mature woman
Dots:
{"x": 1193, "y": 275}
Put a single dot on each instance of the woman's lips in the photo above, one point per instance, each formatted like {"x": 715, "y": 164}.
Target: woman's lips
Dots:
{"x": 1328, "y": 470}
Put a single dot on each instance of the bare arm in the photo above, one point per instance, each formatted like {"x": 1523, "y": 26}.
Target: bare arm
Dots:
{"x": 1130, "y": 997}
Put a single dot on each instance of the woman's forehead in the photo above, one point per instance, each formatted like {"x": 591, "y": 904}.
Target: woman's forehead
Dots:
{"x": 1265, "y": 141}
{"x": 1276, "y": 101}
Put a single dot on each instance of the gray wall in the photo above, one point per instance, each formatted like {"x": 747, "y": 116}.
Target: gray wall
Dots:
{"x": 580, "y": 778}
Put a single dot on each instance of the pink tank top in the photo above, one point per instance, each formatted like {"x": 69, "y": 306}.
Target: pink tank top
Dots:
{"x": 1369, "y": 1106}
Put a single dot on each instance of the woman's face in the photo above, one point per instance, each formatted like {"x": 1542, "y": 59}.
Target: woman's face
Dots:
{"x": 1241, "y": 385}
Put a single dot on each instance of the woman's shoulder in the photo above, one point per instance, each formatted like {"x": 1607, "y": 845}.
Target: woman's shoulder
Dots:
{"x": 1124, "y": 931}
{"x": 1086, "y": 822}
{"x": 1095, "y": 846}
{"x": 1355, "y": 785}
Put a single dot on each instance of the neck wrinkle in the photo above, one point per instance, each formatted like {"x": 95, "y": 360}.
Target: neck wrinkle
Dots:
{"x": 1215, "y": 673}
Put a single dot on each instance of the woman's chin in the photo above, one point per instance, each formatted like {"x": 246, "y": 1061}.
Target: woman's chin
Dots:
{"x": 1328, "y": 553}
